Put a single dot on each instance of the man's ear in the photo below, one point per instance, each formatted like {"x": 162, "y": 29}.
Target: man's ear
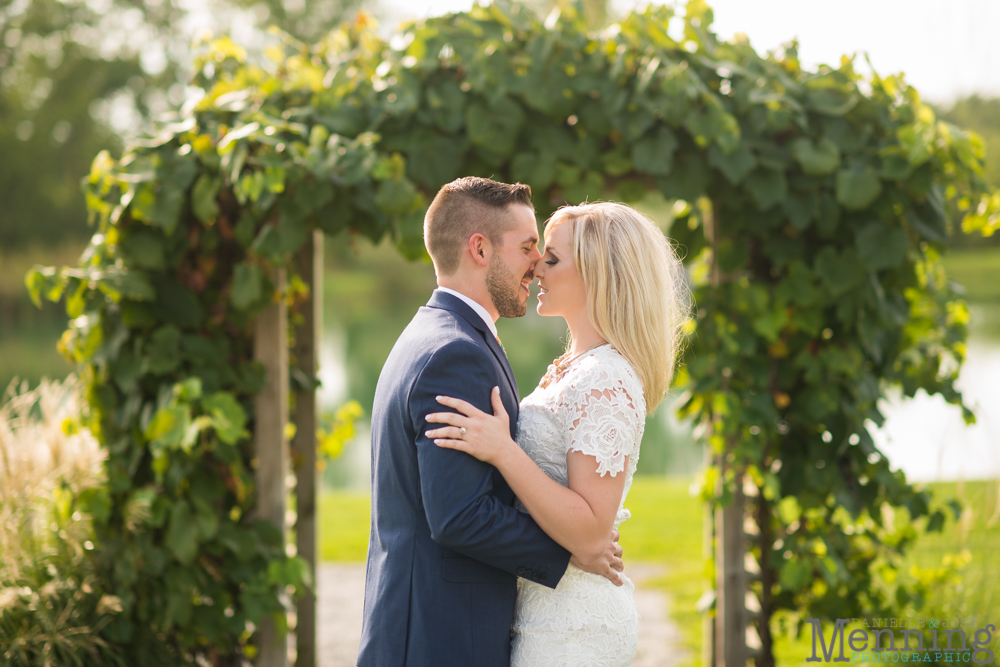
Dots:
{"x": 480, "y": 248}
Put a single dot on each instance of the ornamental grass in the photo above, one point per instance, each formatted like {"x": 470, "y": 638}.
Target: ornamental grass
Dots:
{"x": 51, "y": 469}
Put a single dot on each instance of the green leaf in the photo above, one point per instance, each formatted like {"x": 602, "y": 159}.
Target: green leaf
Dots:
{"x": 44, "y": 282}
{"x": 770, "y": 324}
{"x": 175, "y": 303}
{"x": 895, "y": 167}
{"x": 654, "y": 154}
{"x": 396, "y": 197}
{"x": 589, "y": 188}
{"x": 247, "y": 286}
{"x": 616, "y": 163}
{"x": 881, "y": 246}
{"x": 631, "y": 190}
{"x": 832, "y": 102}
{"x": 935, "y": 523}
{"x": 161, "y": 350}
{"x": 689, "y": 178}
{"x": 238, "y": 541}
{"x": 249, "y": 187}
{"x": 829, "y": 215}
{"x": 857, "y": 188}
{"x": 732, "y": 256}
{"x": 206, "y": 519}
{"x": 411, "y": 235}
{"x": 435, "y": 159}
{"x": 766, "y": 187}
{"x": 734, "y": 166}
{"x": 494, "y": 127}
{"x": 169, "y": 425}
{"x": 930, "y": 227}
{"x": 182, "y": 533}
{"x": 782, "y": 249}
{"x": 165, "y": 211}
{"x": 816, "y": 159}
{"x": 120, "y": 284}
{"x": 203, "y": 202}
{"x": 794, "y": 574}
{"x": 447, "y": 102}
{"x": 144, "y": 248}
{"x": 713, "y": 124}
{"x": 390, "y": 167}
{"x": 236, "y": 134}
{"x": 839, "y": 271}
{"x": 228, "y": 417}
{"x": 633, "y": 123}
{"x": 802, "y": 208}
{"x": 536, "y": 170}
{"x": 125, "y": 369}
{"x": 567, "y": 174}
{"x": 188, "y": 390}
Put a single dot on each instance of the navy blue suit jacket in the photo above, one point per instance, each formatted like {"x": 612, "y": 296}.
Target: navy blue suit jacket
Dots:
{"x": 446, "y": 542}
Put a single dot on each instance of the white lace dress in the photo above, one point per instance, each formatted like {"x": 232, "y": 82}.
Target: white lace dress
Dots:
{"x": 595, "y": 407}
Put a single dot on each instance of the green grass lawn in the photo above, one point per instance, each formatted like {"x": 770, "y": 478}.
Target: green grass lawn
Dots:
{"x": 666, "y": 527}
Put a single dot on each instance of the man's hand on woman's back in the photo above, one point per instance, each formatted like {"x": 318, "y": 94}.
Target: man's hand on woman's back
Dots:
{"x": 609, "y": 564}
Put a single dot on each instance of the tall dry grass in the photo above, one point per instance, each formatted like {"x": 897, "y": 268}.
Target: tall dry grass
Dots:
{"x": 51, "y": 472}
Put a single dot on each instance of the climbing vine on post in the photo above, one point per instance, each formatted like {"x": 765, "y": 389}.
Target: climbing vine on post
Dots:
{"x": 828, "y": 199}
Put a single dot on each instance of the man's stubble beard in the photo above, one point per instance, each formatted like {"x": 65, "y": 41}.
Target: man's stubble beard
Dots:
{"x": 504, "y": 289}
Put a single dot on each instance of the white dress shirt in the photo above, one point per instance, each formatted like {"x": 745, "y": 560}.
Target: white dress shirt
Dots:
{"x": 476, "y": 307}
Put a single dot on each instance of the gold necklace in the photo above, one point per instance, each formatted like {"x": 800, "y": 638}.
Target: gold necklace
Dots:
{"x": 559, "y": 367}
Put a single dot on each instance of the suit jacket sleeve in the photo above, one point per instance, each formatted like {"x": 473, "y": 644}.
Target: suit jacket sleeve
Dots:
{"x": 457, "y": 489}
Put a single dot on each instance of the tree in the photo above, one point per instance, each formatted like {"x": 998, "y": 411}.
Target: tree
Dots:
{"x": 815, "y": 206}
{"x": 76, "y": 74}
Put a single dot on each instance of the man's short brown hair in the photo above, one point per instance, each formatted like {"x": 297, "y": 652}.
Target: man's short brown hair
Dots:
{"x": 467, "y": 206}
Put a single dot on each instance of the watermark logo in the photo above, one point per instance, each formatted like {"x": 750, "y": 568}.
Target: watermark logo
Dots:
{"x": 885, "y": 649}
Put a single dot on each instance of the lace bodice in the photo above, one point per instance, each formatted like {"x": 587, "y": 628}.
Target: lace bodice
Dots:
{"x": 595, "y": 407}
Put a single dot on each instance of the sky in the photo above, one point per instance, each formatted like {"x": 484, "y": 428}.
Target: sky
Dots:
{"x": 946, "y": 48}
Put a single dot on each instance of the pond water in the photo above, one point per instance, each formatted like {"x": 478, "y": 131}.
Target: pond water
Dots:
{"x": 923, "y": 435}
{"x": 927, "y": 438}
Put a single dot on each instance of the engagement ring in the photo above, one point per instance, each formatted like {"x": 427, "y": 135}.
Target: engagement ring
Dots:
{"x": 462, "y": 431}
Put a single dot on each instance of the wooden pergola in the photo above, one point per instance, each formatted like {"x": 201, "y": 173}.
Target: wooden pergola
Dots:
{"x": 724, "y": 639}
{"x": 276, "y": 461}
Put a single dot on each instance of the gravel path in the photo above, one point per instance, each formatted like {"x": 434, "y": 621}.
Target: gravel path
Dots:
{"x": 341, "y": 600}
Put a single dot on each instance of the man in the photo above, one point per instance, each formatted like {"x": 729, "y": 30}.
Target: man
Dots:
{"x": 446, "y": 542}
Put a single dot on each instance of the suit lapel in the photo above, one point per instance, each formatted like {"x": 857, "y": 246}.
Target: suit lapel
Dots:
{"x": 494, "y": 345}
{"x": 450, "y": 302}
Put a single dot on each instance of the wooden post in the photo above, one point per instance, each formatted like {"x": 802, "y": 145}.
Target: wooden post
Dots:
{"x": 271, "y": 414}
{"x": 708, "y": 547}
{"x": 730, "y": 569}
{"x": 307, "y": 337}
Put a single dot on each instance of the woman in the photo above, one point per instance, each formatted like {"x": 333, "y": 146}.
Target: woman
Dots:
{"x": 611, "y": 274}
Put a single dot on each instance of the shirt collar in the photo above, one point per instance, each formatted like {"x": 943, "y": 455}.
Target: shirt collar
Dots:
{"x": 476, "y": 307}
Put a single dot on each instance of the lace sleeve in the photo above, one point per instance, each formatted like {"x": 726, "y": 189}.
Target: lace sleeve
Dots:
{"x": 605, "y": 413}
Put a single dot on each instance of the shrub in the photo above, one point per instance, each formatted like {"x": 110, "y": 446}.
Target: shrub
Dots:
{"x": 52, "y": 608}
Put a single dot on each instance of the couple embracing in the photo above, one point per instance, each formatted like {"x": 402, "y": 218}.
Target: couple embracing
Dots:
{"x": 494, "y": 523}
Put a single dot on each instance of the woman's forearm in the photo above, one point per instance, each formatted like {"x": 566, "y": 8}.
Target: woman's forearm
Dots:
{"x": 561, "y": 512}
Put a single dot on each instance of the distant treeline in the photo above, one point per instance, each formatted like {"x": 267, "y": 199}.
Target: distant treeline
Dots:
{"x": 77, "y": 75}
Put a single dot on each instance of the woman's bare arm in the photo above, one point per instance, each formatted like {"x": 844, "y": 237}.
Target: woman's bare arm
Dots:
{"x": 580, "y": 518}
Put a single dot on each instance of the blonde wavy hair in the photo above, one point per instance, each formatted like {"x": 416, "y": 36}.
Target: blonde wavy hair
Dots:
{"x": 637, "y": 296}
